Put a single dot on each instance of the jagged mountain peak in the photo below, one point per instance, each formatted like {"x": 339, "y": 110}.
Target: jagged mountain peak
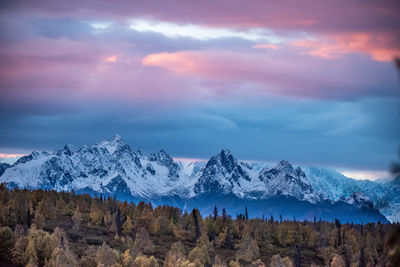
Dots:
{"x": 164, "y": 159}
{"x": 283, "y": 179}
{"x": 34, "y": 155}
{"x": 112, "y": 145}
{"x": 68, "y": 150}
{"x": 300, "y": 172}
{"x": 222, "y": 173}
{"x": 117, "y": 137}
{"x": 224, "y": 159}
{"x": 161, "y": 157}
{"x": 225, "y": 152}
{"x": 284, "y": 165}
{"x": 111, "y": 167}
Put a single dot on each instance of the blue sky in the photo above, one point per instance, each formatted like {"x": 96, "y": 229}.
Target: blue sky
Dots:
{"x": 267, "y": 81}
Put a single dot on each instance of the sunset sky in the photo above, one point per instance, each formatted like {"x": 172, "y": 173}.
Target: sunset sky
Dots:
{"x": 313, "y": 83}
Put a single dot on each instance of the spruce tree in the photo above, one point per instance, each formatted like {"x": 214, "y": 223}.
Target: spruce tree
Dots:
{"x": 339, "y": 237}
{"x": 118, "y": 222}
{"x": 224, "y": 218}
{"x": 362, "y": 257}
{"x": 196, "y": 223}
{"x": 215, "y": 213}
{"x": 298, "y": 256}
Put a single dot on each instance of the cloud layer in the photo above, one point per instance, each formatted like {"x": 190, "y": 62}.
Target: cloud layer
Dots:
{"x": 311, "y": 82}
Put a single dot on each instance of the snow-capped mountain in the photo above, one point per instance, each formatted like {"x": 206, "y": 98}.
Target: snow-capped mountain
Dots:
{"x": 283, "y": 179}
{"x": 335, "y": 185}
{"x": 3, "y": 167}
{"x": 112, "y": 168}
{"x": 222, "y": 173}
{"x": 384, "y": 194}
{"x": 358, "y": 199}
{"x": 105, "y": 168}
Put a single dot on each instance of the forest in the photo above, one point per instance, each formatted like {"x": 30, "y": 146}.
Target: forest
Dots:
{"x": 49, "y": 228}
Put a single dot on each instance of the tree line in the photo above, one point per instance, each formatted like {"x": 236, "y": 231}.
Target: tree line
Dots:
{"x": 49, "y": 228}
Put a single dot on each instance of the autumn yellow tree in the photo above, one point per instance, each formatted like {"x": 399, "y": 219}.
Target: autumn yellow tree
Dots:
{"x": 175, "y": 256}
{"x": 248, "y": 250}
{"x": 142, "y": 244}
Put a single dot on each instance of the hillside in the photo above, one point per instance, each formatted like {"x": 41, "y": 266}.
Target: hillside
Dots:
{"x": 49, "y": 228}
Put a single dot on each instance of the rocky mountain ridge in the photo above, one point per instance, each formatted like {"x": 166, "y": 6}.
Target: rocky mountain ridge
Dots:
{"x": 112, "y": 168}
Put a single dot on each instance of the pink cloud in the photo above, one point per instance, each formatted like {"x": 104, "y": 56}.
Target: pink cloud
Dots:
{"x": 380, "y": 47}
{"x": 279, "y": 74}
{"x": 343, "y": 22}
{"x": 7, "y": 155}
{"x": 110, "y": 59}
{"x": 266, "y": 46}
{"x": 59, "y": 72}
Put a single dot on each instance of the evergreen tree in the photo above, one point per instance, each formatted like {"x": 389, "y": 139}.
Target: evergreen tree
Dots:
{"x": 118, "y": 221}
{"x": 228, "y": 243}
{"x": 224, "y": 217}
{"x": 29, "y": 218}
{"x": 195, "y": 214}
{"x": 6, "y": 243}
{"x": 246, "y": 214}
{"x": 339, "y": 237}
{"x": 215, "y": 213}
{"x": 298, "y": 256}
{"x": 362, "y": 257}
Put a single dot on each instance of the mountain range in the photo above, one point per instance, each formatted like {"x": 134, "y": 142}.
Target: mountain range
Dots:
{"x": 112, "y": 168}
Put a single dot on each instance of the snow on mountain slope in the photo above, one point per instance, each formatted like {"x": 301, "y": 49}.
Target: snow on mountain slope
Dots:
{"x": 111, "y": 167}
{"x": 335, "y": 185}
{"x": 3, "y": 167}
{"x": 384, "y": 194}
{"x": 358, "y": 199}
{"x": 103, "y": 167}
{"x": 28, "y": 171}
{"x": 224, "y": 174}
{"x": 392, "y": 199}
{"x": 191, "y": 168}
{"x": 283, "y": 179}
